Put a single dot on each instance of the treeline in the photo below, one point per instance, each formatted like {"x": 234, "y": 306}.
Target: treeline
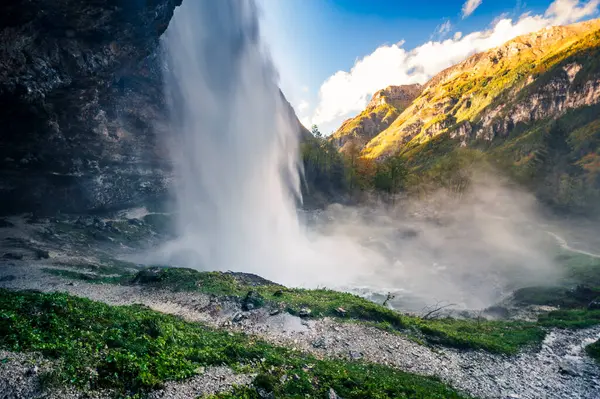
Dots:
{"x": 438, "y": 164}
{"x": 331, "y": 174}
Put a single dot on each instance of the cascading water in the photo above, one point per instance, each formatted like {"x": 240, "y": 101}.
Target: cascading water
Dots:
{"x": 235, "y": 151}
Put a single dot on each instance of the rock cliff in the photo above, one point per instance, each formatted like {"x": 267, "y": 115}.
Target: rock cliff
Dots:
{"x": 80, "y": 103}
{"x": 382, "y": 110}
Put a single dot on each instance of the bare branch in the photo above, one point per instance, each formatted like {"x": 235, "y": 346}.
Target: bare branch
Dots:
{"x": 433, "y": 311}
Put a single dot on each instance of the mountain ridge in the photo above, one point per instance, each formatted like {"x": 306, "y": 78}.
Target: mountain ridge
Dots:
{"x": 385, "y": 106}
{"x": 455, "y": 90}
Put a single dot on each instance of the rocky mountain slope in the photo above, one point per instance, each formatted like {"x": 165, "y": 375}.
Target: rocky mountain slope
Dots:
{"x": 530, "y": 107}
{"x": 530, "y": 78}
{"x": 385, "y": 106}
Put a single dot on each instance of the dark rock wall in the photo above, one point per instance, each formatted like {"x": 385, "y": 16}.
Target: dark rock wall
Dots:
{"x": 81, "y": 104}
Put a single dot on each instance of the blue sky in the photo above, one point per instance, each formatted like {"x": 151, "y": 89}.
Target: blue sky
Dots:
{"x": 312, "y": 40}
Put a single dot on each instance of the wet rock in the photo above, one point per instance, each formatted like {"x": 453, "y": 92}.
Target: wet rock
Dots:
{"x": 99, "y": 224}
{"x": 32, "y": 371}
{"x": 408, "y": 234}
{"x": 135, "y": 222}
{"x": 238, "y": 317}
{"x": 252, "y": 300}
{"x": 568, "y": 369}
{"x": 497, "y": 312}
{"x": 594, "y": 305}
{"x": 304, "y": 312}
{"x": 12, "y": 256}
{"x": 5, "y": 223}
{"x": 41, "y": 253}
{"x": 251, "y": 279}
{"x": 264, "y": 394}
{"x": 80, "y": 89}
{"x": 321, "y": 343}
{"x": 148, "y": 276}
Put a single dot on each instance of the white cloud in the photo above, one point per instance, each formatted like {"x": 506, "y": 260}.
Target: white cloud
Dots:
{"x": 304, "y": 89}
{"x": 441, "y": 31}
{"x": 302, "y": 106}
{"x": 469, "y": 7}
{"x": 567, "y": 11}
{"x": 347, "y": 92}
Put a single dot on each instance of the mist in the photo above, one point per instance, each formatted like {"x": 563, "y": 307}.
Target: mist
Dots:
{"x": 235, "y": 148}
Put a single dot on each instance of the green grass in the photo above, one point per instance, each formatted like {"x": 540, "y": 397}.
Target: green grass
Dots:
{"x": 131, "y": 350}
{"x": 563, "y": 297}
{"x": 573, "y": 318}
{"x": 495, "y": 336}
{"x": 88, "y": 277}
{"x": 593, "y": 350}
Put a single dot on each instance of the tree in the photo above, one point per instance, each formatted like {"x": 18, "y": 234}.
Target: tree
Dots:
{"x": 315, "y": 131}
{"x": 391, "y": 175}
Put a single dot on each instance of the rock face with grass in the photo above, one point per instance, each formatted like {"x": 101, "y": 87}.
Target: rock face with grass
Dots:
{"x": 533, "y": 77}
{"x": 382, "y": 110}
{"x": 528, "y": 107}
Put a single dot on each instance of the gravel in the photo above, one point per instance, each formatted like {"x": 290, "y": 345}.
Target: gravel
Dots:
{"x": 559, "y": 369}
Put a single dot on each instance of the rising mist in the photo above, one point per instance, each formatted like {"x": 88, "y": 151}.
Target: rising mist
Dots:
{"x": 236, "y": 156}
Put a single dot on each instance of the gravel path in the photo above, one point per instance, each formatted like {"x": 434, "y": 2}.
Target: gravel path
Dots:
{"x": 558, "y": 370}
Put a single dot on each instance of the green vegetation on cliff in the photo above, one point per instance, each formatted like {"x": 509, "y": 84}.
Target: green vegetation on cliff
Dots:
{"x": 527, "y": 109}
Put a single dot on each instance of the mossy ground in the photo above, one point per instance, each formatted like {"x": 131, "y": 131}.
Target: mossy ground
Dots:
{"x": 507, "y": 337}
{"x": 494, "y": 336}
{"x": 131, "y": 350}
{"x": 593, "y": 350}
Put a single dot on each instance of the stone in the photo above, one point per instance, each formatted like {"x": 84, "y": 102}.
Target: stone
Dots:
{"x": 41, "y": 253}
{"x": 304, "y": 312}
{"x": 568, "y": 369}
{"x": 148, "y": 276}
{"x": 252, "y": 300}
{"x": 355, "y": 355}
{"x": 341, "y": 311}
{"x": 5, "y": 223}
{"x": 321, "y": 343}
{"x": 238, "y": 317}
{"x": 594, "y": 305}
{"x": 264, "y": 394}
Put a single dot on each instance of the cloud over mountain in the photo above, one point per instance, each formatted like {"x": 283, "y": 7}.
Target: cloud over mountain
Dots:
{"x": 346, "y": 93}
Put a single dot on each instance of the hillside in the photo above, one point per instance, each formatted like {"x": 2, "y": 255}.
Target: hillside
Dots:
{"x": 529, "y": 106}
{"x": 383, "y": 109}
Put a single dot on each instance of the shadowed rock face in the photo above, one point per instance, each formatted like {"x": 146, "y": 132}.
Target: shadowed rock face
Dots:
{"x": 81, "y": 104}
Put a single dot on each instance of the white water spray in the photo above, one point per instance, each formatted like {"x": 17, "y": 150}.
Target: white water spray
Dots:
{"x": 236, "y": 149}
{"x": 236, "y": 156}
